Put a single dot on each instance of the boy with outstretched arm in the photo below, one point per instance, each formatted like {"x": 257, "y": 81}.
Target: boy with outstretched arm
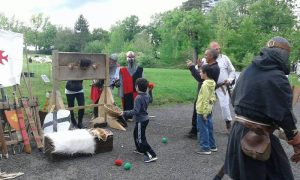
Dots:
{"x": 141, "y": 118}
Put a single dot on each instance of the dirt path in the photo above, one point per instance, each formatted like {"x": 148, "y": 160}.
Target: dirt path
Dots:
{"x": 176, "y": 159}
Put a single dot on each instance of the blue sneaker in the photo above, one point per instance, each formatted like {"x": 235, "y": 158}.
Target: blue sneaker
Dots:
{"x": 203, "y": 152}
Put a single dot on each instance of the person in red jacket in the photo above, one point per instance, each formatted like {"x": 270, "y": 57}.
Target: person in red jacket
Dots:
{"x": 128, "y": 77}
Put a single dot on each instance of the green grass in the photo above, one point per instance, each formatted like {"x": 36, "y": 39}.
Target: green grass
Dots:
{"x": 171, "y": 85}
{"x": 294, "y": 80}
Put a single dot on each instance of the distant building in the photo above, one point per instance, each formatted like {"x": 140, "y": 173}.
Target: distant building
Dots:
{"x": 208, "y": 5}
{"x": 297, "y": 11}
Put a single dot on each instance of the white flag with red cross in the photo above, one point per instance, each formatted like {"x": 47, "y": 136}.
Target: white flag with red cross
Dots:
{"x": 11, "y": 58}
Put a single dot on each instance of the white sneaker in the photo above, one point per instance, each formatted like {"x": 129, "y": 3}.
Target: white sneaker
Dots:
{"x": 204, "y": 152}
{"x": 138, "y": 152}
{"x": 148, "y": 159}
{"x": 214, "y": 150}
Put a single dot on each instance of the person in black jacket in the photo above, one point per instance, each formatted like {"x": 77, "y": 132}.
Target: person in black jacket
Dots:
{"x": 74, "y": 90}
{"x": 210, "y": 55}
{"x": 263, "y": 96}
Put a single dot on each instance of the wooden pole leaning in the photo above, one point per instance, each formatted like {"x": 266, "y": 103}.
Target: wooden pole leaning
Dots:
{"x": 3, "y": 142}
{"x": 2, "y": 137}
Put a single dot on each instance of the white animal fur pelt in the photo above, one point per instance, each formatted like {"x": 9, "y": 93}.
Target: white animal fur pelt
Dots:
{"x": 71, "y": 142}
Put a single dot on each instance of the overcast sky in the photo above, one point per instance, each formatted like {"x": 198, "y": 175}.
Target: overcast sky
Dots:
{"x": 99, "y": 13}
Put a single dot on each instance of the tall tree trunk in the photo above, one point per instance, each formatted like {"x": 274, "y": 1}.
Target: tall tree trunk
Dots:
{"x": 195, "y": 54}
{"x": 36, "y": 42}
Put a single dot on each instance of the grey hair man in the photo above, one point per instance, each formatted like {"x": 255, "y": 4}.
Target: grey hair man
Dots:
{"x": 114, "y": 70}
{"x": 210, "y": 57}
{"x": 227, "y": 75}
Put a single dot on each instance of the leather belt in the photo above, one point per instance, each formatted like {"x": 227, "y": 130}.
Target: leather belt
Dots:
{"x": 253, "y": 125}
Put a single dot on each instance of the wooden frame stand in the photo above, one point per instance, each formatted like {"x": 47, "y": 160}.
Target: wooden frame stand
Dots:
{"x": 65, "y": 66}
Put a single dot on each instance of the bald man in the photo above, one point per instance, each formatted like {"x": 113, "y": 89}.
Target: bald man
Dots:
{"x": 227, "y": 75}
{"x": 128, "y": 75}
{"x": 210, "y": 57}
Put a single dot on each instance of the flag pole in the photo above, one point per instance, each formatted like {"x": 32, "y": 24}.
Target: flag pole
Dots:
{"x": 2, "y": 137}
{"x": 28, "y": 87}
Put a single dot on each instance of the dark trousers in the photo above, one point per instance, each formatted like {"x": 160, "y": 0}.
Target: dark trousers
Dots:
{"x": 140, "y": 140}
{"x": 194, "y": 120}
{"x": 96, "y": 109}
{"x": 80, "y": 101}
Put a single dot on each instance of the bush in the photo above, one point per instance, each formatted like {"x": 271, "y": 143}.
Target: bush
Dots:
{"x": 146, "y": 60}
{"x": 142, "y": 59}
{"x": 241, "y": 64}
{"x": 94, "y": 47}
{"x": 122, "y": 59}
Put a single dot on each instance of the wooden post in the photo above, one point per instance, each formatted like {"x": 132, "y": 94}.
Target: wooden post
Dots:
{"x": 55, "y": 76}
{"x": 3, "y": 142}
{"x": 106, "y": 85}
{"x": 2, "y": 138}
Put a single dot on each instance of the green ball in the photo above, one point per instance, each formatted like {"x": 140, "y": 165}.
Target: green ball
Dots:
{"x": 164, "y": 140}
{"x": 127, "y": 166}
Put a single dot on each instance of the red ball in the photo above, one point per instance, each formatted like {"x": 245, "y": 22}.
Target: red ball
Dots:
{"x": 118, "y": 162}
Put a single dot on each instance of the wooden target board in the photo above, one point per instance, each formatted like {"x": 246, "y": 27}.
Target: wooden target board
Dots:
{"x": 63, "y": 60}
{"x": 65, "y": 66}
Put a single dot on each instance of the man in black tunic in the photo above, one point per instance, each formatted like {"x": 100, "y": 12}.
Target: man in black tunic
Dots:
{"x": 263, "y": 95}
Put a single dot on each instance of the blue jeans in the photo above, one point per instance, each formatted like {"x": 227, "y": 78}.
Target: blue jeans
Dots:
{"x": 205, "y": 133}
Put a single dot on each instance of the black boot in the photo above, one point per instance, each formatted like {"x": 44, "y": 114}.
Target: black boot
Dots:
{"x": 74, "y": 123}
{"x": 80, "y": 125}
{"x": 228, "y": 125}
{"x": 192, "y": 134}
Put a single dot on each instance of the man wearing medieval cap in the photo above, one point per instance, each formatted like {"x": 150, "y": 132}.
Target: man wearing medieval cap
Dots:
{"x": 97, "y": 86}
{"x": 128, "y": 76}
{"x": 262, "y": 101}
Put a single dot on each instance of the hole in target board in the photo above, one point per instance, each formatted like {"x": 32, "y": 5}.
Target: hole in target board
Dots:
{"x": 84, "y": 64}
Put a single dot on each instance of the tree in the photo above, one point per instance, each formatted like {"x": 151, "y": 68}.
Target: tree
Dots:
{"x": 196, "y": 29}
{"x": 268, "y": 18}
{"x": 131, "y": 27}
{"x": 94, "y": 47}
{"x": 100, "y": 34}
{"x": 65, "y": 40}
{"x": 122, "y": 34}
{"x": 47, "y": 38}
{"x": 142, "y": 45}
{"x": 172, "y": 47}
{"x": 153, "y": 31}
{"x": 37, "y": 23}
{"x": 4, "y": 22}
{"x": 117, "y": 40}
{"x": 192, "y": 4}
{"x": 243, "y": 6}
{"x": 294, "y": 39}
{"x": 82, "y": 33}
